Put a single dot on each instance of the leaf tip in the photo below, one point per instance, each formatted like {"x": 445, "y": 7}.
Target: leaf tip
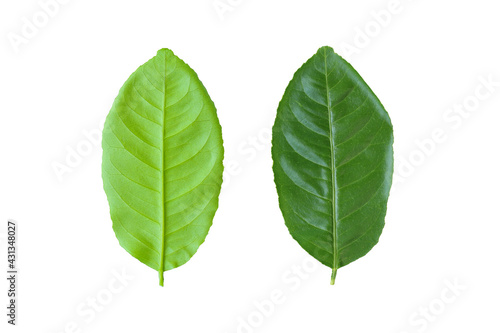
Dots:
{"x": 326, "y": 49}
{"x": 165, "y": 52}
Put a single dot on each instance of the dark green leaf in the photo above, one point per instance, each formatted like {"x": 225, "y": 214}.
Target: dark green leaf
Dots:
{"x": 333, "y": 160}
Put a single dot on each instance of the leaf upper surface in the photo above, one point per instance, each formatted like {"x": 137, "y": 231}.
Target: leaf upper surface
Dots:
{"x": 333, "y": 160}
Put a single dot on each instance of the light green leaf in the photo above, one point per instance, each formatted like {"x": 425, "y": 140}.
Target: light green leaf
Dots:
{"x": 162, "y": 163}
{"x": 333, "y": 160}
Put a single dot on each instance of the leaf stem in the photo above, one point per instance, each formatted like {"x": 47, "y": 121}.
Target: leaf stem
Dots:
{"x": 161, "y": 277}
{"x": 334, "y": 275}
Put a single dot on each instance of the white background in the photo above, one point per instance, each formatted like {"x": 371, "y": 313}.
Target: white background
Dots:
{"x": 442, "y": 225}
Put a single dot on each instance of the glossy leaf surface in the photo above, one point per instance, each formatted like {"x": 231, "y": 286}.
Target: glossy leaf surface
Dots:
{"x": 162, "y": 163}
{"x": 333, "y": 160}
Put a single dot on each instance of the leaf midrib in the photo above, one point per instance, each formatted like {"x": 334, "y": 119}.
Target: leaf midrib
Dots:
{"x": 333, "y": 170}
{"x": 161, "y": 269}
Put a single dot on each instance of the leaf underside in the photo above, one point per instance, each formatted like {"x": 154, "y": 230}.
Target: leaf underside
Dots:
{"x": 162, "y": 163}
{"x": 333, "y": 160}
